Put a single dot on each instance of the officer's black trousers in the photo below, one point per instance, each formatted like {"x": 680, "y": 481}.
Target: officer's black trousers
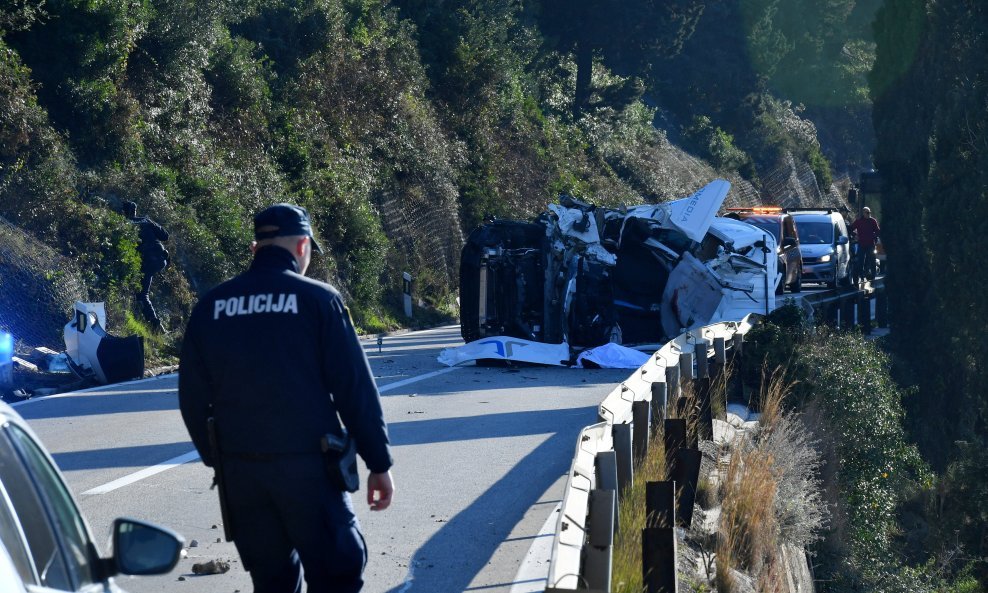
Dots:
{"x": 144, "y": 297}
{"x": 285, "y": 513}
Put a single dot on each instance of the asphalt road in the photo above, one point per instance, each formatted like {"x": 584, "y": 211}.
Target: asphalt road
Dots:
{"x": 480, "y": 454}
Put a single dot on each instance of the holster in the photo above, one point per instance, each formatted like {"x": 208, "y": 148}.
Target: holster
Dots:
{"x": 340, "y": 456}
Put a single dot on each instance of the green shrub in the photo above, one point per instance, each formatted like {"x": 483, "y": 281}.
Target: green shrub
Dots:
{"x": 714, "y": 144}
{"x": 875, "y": 464}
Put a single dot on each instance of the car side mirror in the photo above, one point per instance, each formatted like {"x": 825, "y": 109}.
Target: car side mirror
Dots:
{"x": 842, "y": 240}
{"x": 141, "y": 548}
{"x": 789, "y": 242}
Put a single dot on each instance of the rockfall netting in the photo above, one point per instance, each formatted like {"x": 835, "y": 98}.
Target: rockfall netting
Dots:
{"x": 37, "y": 288}
{"x": 425, "y": 236}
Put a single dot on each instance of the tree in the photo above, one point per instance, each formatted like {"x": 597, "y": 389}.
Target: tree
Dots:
{"x": 629, "y": 35}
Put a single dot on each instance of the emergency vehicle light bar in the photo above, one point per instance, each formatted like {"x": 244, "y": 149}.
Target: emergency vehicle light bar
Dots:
{"x": 758, "y": 209}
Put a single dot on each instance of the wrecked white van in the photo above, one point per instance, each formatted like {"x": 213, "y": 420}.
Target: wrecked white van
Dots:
{"x": 586, "y": 276}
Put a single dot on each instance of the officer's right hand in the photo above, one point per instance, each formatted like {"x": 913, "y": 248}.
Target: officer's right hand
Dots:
{"x": 380, "y": 490}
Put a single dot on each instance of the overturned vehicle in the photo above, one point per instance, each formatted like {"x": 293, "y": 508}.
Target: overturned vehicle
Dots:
{"x": 587, "y": 276}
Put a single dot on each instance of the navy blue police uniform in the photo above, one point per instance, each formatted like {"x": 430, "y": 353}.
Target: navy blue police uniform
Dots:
{"x": 273, "y": 357}
{"x": 154, "y": 257}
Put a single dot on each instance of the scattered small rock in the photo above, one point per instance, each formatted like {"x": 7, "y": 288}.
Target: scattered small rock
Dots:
{"x": 181, "y": 578}
{"x": 194, "y": 543}
{"x": 218, "y": 540}
{"x": 215, "y": 527}
{"x": 211, "y": 567}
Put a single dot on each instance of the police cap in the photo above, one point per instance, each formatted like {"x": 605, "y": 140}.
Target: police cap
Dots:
{"x": 284, "y": 220}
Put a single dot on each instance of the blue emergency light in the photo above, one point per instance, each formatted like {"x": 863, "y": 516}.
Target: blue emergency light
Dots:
{"x": 6, "y": 360}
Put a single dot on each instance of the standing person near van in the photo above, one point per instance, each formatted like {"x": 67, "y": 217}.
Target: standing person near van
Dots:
{"x": 154, "y": 259}
{"x": 277, "y": 394}
{"x": 867, "y": 231}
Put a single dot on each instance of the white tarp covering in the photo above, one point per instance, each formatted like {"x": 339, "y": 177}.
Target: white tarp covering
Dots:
{"x": 613, "y": 356}
{"x": 507, "y": 348}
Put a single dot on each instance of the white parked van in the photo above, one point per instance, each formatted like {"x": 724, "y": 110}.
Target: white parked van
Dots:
{"x": 823, "y": 241}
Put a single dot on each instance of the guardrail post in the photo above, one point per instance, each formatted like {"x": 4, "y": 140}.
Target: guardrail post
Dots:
{"x": 660, "y": 400}
{"x": 881, "y": 307}
{"x": 686, "y": 366}
{"x": 621, "y": 434}
{"x": 737, "y": 359}
{"x": 702, "y": 362}
{"x": 847, "y": 311}
{"x": 688, "y": 413}
{"x": 640, "y": 413}
{"x": 660, "y": 504}
{"x": 659, "y": 550}
{"x": 672, "y": 382}
{"x": 659, "y": 538}
{"x": 686, "y": 477}
{"x": 674, "y": 439}
{"x": 720, "y": 351}
{"x": 864, "y": 313}
{"x": 599, "y": 558}
{"x": 705, "y": 425}
{"x": 606, "y": 477}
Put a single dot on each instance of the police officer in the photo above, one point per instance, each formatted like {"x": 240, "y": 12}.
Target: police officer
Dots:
{"x": 273, "y": 359}
{"x": 154, "y": 258}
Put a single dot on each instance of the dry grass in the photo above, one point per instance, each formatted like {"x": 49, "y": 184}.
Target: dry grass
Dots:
{"x": 775, "y": 462}
{"x": 627, "y": 553}
{"x": 771, "y": 494}
{"x": 774, "y": 391}
{"x": 748, "y": 528}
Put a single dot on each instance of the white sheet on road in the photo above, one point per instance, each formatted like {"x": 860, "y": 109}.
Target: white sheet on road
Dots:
{"x": 507, "y": 348}
{"x": 613, "y": 356}
{"x": 608, "y": 356}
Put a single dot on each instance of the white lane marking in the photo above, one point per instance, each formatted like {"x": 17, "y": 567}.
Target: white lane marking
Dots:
{"x": 534, "y": 570}
{"x": 193, "y": 455}
{"x": 409, "y": 380}
{"x": 144, "y": 473}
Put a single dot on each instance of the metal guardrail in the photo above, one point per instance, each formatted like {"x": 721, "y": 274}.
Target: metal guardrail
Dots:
{"x": 573, "y": 558}
{"x": 618, "y": 408}
{"x": 849, "y": 306}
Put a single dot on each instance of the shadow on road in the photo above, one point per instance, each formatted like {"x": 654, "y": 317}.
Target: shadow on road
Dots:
{"x": 139, "y": 456}
{"x": 454, "y": 555}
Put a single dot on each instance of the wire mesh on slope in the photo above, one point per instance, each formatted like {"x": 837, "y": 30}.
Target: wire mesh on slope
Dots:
{"x": 37, "y": 288}
{"x": 425, "y": 235}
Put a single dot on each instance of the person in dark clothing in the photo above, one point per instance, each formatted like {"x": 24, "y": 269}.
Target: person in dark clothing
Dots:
{"x": 154, "y": 258}
{"x": 867, "y": 231}
{"x": 273, "y": 359}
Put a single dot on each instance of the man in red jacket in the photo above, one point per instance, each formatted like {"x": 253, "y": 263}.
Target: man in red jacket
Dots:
{"x": 867, "y": 231}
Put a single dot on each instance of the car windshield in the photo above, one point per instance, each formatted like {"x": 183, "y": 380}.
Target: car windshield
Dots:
{"x": 815, "y": 233}
{"x": 771, "y": 226}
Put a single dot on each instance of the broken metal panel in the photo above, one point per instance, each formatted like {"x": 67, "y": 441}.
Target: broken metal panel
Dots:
{"x": 94, "y": 353}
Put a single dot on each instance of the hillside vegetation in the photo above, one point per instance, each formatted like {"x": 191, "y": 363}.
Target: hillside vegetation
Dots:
{"x": 400, "y": 125}
{"x": 931, "y": 72}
